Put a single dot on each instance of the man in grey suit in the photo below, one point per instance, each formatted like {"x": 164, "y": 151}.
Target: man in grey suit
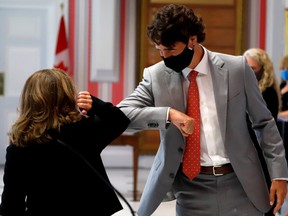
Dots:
{"x": 231, "y": 179}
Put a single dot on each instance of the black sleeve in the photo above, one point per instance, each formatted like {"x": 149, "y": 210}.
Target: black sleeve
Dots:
{"x": 108, "y": 121}
{"x": 271, "y": 99}
{"x": 13, "y": 197}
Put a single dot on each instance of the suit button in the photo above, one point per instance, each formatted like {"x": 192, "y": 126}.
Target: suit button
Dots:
{"x": 171, "y": 175}
{"x": 153, "y": 125}
{"x": 180, "y": 150}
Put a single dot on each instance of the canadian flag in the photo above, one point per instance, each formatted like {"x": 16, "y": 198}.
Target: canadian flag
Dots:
{"x": 62, "y": 52}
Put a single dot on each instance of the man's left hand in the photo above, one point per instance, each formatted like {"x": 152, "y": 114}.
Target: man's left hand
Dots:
{"x": 278, "y": 190}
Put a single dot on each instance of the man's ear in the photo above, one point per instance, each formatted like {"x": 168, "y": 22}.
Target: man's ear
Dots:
{"x": 192, "y": 41}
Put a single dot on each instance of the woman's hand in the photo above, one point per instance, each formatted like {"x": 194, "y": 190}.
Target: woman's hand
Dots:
{"x": 84, "y": 101}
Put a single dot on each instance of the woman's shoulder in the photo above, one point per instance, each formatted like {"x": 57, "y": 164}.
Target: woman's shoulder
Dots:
{"x": 270, "y": 90}
{"x": 269, "y": 94}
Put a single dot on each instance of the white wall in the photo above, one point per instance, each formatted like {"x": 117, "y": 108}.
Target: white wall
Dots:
{"x": 28, "y": 30}
{"x": 275, "y": 32}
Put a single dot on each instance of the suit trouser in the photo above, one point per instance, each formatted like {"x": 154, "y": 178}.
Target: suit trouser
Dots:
{"x": 209, "y": 195}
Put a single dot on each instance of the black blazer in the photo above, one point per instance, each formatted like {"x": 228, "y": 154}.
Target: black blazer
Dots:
{"x": 49, "y": 179}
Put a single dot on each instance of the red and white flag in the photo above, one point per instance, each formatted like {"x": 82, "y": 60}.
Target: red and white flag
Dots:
{"x": 62, "y": 52}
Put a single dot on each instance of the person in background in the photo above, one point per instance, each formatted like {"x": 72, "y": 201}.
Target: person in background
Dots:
{"x": 230, "y": 180}
{"x": 262, "y": 66}
{"x": 53, "y": 147}
{"x": 283, "y": 115}
{"x": 284, "y": 87}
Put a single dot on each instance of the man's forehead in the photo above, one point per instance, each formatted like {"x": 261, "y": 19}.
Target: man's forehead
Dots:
{"x": 160, "y": 46}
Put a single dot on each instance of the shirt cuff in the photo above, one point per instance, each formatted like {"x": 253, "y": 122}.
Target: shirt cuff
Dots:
{"x": 167, "y": 116}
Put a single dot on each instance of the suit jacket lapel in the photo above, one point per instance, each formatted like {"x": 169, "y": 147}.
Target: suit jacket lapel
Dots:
{"x": 175, "y": 89}
{"x": 219, "y": 76}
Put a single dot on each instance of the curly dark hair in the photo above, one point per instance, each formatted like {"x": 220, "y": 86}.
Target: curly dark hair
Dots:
{"x": 175, "y": 23}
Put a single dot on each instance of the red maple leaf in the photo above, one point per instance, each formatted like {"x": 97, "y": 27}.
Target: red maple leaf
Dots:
{"x": 61, "y": 66}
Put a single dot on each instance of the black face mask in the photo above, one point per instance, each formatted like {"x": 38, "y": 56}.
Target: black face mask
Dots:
{"x": 181, "y": 61}
{"x": 259, "y": 74}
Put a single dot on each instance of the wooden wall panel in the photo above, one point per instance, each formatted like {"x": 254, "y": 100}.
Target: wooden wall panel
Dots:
{"x": 216, "y": 16}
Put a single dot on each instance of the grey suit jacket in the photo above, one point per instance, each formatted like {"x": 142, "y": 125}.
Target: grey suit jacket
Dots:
{"x": 236, "y": 93}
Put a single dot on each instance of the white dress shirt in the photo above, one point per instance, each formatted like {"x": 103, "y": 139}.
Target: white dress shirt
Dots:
{"x": 213, "y": 152}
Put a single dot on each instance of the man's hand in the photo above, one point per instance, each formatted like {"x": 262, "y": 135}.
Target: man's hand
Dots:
{"x": 84, "y": 101}
{"x": 278, "y": 190}
{"x": 182, "y": 121}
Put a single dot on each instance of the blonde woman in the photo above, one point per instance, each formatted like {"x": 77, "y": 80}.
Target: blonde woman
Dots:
{"x": 43, "y": 175}
{"x": 263, "y": 68}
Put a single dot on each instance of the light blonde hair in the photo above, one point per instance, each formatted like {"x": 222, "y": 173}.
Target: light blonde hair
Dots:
{"x": 284, "y": 63}
{"x": 48, "y": 100}
{"x": 269, "y": 77}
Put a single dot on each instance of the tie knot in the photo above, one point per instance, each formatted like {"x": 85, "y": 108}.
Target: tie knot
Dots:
{"x": 192, "y": 75}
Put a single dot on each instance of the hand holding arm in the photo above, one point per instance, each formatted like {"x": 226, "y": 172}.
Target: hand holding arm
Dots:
{"x": 182, "y": 121}
{"x": 84, "y": 101}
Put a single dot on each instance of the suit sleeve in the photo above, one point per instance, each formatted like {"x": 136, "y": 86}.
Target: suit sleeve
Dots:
{"x": 265, "y": 127}
{"x": 140, "y": 105}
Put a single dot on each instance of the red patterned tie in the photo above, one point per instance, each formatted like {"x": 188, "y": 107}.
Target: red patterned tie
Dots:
{"x": 191, "y": 158}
